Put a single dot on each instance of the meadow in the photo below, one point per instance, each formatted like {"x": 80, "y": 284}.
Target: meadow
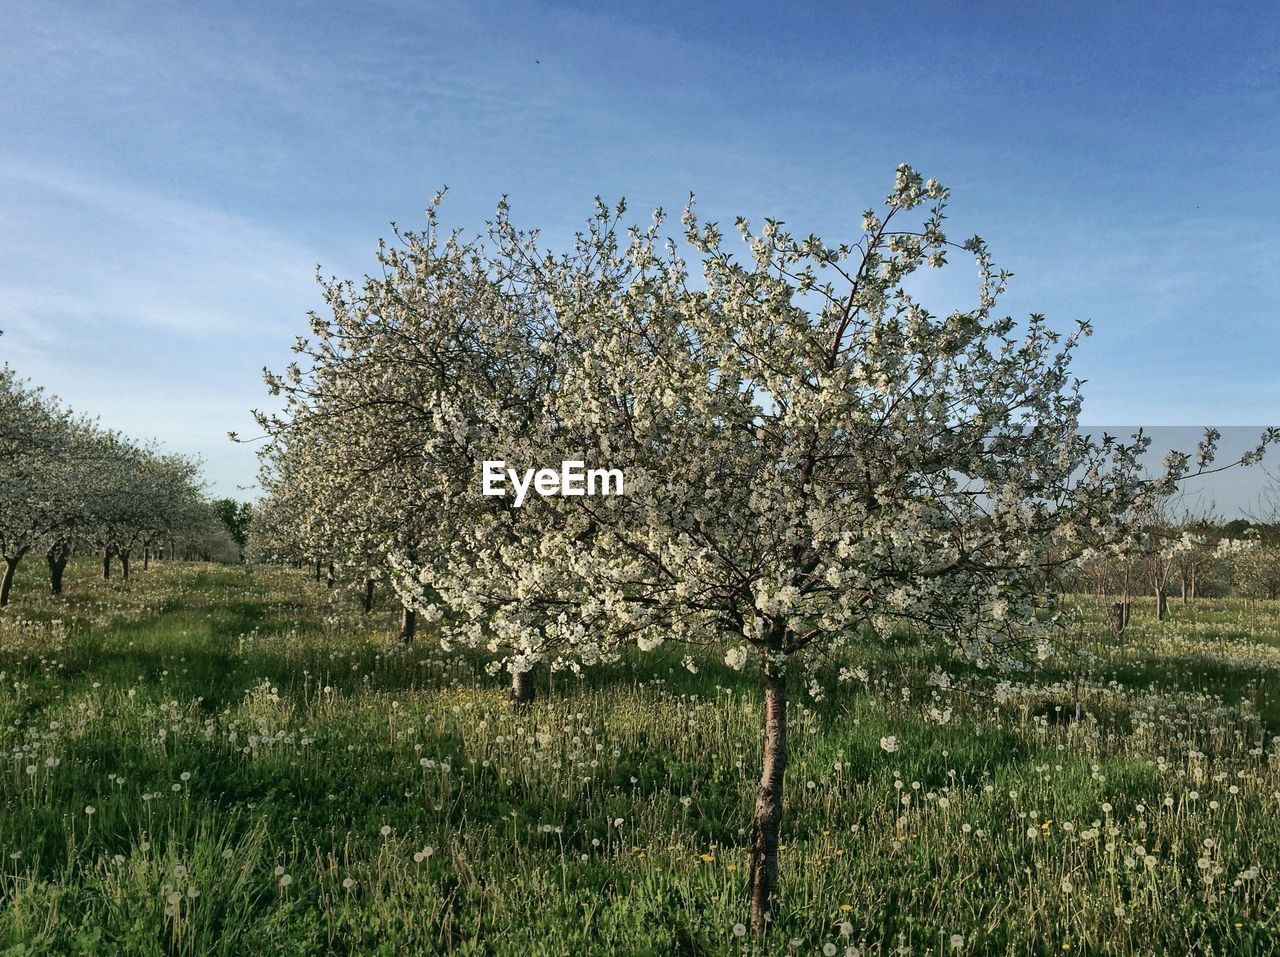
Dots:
{"x": 220, "y": 760}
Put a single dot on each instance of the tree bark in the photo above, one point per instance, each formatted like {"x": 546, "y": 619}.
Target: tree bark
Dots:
{"x": 766, "y": 819}
{"x": 1162, "y": 605}
{"x": 106, "y": 564}
{"x": 522, "y": 689}
{"x": 6, "y": 584}
{"x": 123, "y": 555}
{"x": 408, "y": 625}
{"x": 317, "y": 569}
{"x": 368, "y": 596}
{"x": 1118, "y": 616}
{"x": 57, "y": 560}
{"x": 146, "y": 559}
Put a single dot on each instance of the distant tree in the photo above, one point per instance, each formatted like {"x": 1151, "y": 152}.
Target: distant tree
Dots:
{"x": 1200, "y": 532}
{"x": 1265, "y": 515}
{"x": 65, "y": 482}
{"x": 1236, "y": 528}
{"x": 236, "y": 517}
{"x": 1161, "y": 542}
{"x": 1111, "y": 570}
{"x": 413, "y": 378}
{"x": 1252, "y": 568}
{"x": 35, "y": 433}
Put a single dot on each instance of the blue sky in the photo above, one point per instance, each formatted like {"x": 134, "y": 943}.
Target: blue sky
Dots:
{"x": 171, "y": 174}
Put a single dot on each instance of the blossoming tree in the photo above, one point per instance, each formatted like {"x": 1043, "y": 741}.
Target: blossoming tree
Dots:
{"x": 403, "y": 388}
{"x": 811, "y": 452}
{"x": 36, "y": 434}
{"x": 811, "y": 455}
{"x": 64, "y": 481}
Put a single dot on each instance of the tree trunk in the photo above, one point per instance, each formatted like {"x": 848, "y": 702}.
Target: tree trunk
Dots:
{"x": 332, "y": 579}
{"x": 766, "y": 819}
{"x": 124, "y": 564}
{"x": 146, "y": 559}
{"x": 6, "y": 584}
{"x": 1162, "y": 605}
{"x": 368, "y": 596}
{"x": 106, "y": 564}
{"x": 522, "y": 689}
{"x": 1118, "y": 616}
{"x": 317, "y": 569}
{"x": 408, "y": 625}
{"x": 57, "y": 565}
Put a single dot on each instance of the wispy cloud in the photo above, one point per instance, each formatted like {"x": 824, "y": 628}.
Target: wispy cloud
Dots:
{"x": 80, "y": 249}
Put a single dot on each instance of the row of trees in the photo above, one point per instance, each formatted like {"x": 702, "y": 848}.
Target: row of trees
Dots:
{"x": 811, "y": 455}
{"x": 67, "y": 485}
{"x": 1189, "y": 555}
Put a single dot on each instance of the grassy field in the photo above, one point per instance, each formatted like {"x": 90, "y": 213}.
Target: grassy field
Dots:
{"x": 209, "y": 760}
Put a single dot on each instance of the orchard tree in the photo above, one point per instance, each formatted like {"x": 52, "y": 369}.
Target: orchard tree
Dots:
{"x": 202, "y": 535}
{"x": 236, "y": 517}
{"x": 1112, "y": 568}
{"x": 269, "y": 539}
{"x": 401, "y": 391}
{"x": 811, "y": 456}
{"x": 811, "y": 453}
{"x": 1161, "y": 543}
{"x": 113, "y": 515}
{"x": 23, "y": 415}
{"x": 65, "y": 481}
{"x": 136, "y": 498}
{"x": 171, "y": 493}
{"x": 1199, "y": 537}
{"x": 1252, "y": 568}
{"x": 39, "y": 488}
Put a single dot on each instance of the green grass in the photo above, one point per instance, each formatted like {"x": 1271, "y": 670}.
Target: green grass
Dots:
{"x": 269, "y": 771}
